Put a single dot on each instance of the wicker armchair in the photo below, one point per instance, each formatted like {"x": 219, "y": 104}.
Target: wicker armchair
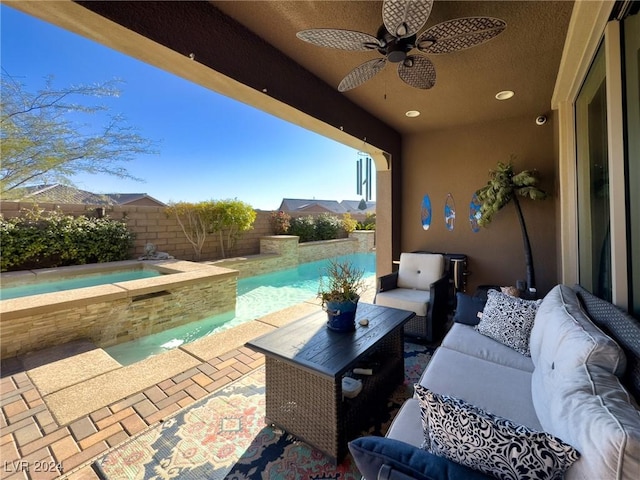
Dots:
{"x": 420, "y": 285}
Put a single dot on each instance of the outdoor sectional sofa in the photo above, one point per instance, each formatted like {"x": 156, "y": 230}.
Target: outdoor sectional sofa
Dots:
{"x": 567, "y": 410}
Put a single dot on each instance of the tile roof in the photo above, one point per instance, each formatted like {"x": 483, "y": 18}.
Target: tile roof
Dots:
{"x": 58, "y": 193}
{"x": 345, "y": 206}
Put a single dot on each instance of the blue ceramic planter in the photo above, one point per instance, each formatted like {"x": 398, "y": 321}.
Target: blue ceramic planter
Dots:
{"x": 341, "y": 315}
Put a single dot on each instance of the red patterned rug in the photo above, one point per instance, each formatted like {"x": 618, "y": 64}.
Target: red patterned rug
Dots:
{"x": 224, "y": 436}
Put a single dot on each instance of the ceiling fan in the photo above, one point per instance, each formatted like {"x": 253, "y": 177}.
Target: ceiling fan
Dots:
{"x": 398, "y": 36}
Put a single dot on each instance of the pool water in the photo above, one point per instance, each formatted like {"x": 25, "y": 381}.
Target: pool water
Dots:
{"x": 77, "y": 282}
{"x": 257, "y": 296}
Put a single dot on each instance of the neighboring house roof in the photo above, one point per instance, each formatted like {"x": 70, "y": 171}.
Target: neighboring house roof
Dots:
{"x": 332, "y": 206}
{"x": 354, "y": 206}
{"x": 57, "y": 193}
{"x": 306, "y": 205}
{"x": 61, "y": 194}
{"x": 134, "y": 198}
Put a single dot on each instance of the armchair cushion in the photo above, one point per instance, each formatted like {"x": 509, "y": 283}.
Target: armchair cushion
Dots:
{"x": 405, "y": 299}
{"x": 419, "y": 270}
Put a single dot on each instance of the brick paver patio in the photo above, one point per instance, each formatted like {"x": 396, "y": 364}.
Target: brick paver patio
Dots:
{"x": 34, "y": 446}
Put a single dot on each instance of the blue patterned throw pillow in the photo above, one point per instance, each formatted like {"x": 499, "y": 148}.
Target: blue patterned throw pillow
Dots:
{"x": 491, "y": 444}
{"x": 509, "y": 320}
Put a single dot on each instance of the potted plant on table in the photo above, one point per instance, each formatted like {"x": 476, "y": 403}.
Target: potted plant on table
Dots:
{"x": 339, "y": 292}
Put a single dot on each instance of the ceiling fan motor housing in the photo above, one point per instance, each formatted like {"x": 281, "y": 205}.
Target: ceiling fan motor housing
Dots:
{"x": 395, "y": 49}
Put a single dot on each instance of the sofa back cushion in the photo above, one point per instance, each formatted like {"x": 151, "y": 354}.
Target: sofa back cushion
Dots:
{"x": 620, "y": 326}
{"x": 419, "y": 270}
{"x": 591, "y": 411}
{"x": 564, "y": 338}
{"x": 576, "y": 391}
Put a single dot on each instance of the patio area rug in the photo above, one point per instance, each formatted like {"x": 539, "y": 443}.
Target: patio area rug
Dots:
{"x": 223, "y": 436}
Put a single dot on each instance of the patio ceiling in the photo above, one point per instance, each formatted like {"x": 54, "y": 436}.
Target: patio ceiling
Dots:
{"x": 524, "y": 58}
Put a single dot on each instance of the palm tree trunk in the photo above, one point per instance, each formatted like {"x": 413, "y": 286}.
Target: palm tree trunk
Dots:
{"x": 528, "y": 256}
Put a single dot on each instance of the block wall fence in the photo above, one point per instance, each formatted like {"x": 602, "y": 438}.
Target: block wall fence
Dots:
{"x": 151, "y": 225}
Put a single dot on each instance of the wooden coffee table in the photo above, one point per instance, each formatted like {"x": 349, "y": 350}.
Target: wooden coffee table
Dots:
{"x": 305, "y": 363}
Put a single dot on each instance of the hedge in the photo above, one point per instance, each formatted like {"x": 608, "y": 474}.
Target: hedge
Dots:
{"x": 39, "y": 239}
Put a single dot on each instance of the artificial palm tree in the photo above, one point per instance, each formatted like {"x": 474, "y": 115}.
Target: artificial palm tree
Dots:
{"x": 503, "y": 187}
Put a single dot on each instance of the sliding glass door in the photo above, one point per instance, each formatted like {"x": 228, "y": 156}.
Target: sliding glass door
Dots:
{"x": 631, "y": 38}
{"x": 594, "y": 226}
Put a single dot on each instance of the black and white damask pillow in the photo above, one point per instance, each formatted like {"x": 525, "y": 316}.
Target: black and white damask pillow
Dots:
{"x": 491, "y": 444}
{"x": 509, "y": 320}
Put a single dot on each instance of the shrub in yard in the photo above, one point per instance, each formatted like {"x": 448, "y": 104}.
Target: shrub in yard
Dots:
{"x": 369, "y": 222}
{"x": 327, "y": 226}
{"x": 230, "y": 219}
{"x": 280, "y": 222}
{"x": 349, "y": 224}
{"x": 304, "y": 228}
{"x": 41, "y": 239}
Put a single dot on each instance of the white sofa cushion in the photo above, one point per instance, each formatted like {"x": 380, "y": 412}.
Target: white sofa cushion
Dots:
{"x": 496, "y": 388}
{"x": 564, "y": 338}
{"x": 465, "y": 339}
{"x": 419, "y": 270}
{"x": 593, "y": 412}
{"x": 405, "y": 299}
{"x": 406, "y": 425}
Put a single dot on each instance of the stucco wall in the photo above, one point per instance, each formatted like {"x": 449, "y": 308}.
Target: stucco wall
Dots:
{"x": 458, "y": 161}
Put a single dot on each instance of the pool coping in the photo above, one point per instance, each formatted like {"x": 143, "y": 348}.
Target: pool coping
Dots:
{"x": 179, "y": 273}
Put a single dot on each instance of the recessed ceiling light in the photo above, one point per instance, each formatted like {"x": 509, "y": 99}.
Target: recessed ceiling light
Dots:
{"x": 504, "y": 95}
{"x": 412, "y": 113}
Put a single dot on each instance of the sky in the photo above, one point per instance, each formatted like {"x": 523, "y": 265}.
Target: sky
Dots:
{"x": 209, "y": 146}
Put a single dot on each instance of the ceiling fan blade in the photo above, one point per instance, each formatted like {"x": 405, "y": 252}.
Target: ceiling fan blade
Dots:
{"x": 403, "y": 18}
{"x": 459, "y": 34}
{"x": 361, "y": 74}
{"x": 341, "y": 39}
{"x": 417, "y": 71}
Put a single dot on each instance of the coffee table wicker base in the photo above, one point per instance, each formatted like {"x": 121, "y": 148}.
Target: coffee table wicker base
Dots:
{"x": 310, "y": 406}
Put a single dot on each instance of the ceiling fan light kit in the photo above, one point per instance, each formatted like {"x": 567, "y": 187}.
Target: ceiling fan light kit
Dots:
{"x": 398, "y": 36}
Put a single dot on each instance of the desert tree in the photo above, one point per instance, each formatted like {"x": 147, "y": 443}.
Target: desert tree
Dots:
{"x": 45, "y": 138}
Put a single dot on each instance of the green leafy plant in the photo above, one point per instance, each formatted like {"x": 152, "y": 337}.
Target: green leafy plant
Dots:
{"x": 303, "y": 227}
{"x": 342, "y": 283}
{"x": 505, "y": 186}
{"x": 230, "y": 219}
{"x": 44, "y": 239}
{"x": 349, "y": 223}
{"x": 369, "y": 222}
{"x": 326, "y": 226}
{"x": 226, "y": 218}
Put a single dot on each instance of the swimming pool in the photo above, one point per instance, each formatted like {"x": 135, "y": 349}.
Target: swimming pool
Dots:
{"x": 90, "y": 280}
{"x": 257, "y": 296}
